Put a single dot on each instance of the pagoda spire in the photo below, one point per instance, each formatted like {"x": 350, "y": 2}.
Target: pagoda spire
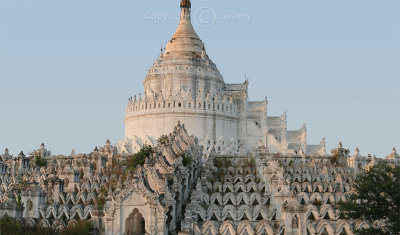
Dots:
{"x": 185, "y": 12}
{"x": 185, "y": 41}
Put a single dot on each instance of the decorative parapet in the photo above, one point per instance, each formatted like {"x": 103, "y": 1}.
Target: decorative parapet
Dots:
{"x": 141, "y": 106}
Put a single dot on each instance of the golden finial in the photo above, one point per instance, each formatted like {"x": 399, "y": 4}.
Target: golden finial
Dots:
{"x": 185, "y": 4}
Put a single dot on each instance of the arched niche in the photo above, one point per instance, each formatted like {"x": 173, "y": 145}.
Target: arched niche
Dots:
{"x": 135, "y": 224}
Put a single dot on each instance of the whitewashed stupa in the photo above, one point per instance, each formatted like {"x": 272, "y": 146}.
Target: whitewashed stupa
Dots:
{"x": 185, "y": 85}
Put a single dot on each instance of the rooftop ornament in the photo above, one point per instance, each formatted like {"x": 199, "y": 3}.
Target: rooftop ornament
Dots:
{"x": 186, "y": 4}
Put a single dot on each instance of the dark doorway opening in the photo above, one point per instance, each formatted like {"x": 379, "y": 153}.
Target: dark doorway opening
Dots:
{"x": 135, "y": 224}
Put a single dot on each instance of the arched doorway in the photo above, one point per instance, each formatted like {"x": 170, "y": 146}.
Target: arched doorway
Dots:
{"x": 135, "y": 224}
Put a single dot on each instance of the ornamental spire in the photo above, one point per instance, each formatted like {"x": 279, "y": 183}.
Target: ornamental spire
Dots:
{"x": 186, "y": 4}
{"x": 185, "y": 41}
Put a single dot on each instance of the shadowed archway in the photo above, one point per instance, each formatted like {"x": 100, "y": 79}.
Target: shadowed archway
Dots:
{"x": 135, "y": 224}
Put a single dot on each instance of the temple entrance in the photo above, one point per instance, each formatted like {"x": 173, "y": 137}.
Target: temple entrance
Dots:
{"x": 135, "y": 224}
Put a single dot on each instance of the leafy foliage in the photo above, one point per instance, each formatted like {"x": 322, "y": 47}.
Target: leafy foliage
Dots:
{"x": 39, "y": 161}
{"x": 81, "y": 174}
{"x": 220, "y": 174}
{"x": 335, "y": 155}
{"x": 139, "y": 158}
{"x": 37, "y": 156}
{"x": 101, "y": 199}
{"x": 82, "y": 227}
{"x": 186, "y": 159}
{"x": 19, "y": 202}
{"x": 9, "y": 225}
{"x": 339, "y": 155}
{"x": 376, "y": 198}
{"x": 23, "y": 185}
{"x": 163, "y": 139}
{"x": 221, "y": 162}
{"x": 317, "y": 202}
{"x": 250, "y": 163}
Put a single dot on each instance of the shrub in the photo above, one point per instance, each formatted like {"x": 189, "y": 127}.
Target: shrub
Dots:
{"x": 220, "y": 162}
{"x": 17, "y": 227}
{"x": 101, "y": 198}
{"x": 19, "y": 202}
{"x": 123, "y": 177}
{"x": 338, "y": 154}
{"x": 317, "y": 202}
{"x": 39, "y": 161}
{"x": 101, "y": 201}
{"x": 250, "y": 163}
{"x": 162, "y": 140}
{"x": 140, "y": 157}
{"x": 186, "y": 159}
{"x": 81, "y": 174}
{"x": 103, "y": 191}
{"x": 82, "y": 227}
{"x": 335, "y": 155}
{"x": 9, "y": 225}
{"x": 49, "y": 201}
{"x": 220, "y": 174}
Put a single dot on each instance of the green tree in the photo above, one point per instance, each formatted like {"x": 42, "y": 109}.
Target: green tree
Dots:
{"x": 376, "y": 197}
{"x": 339, "y": 155}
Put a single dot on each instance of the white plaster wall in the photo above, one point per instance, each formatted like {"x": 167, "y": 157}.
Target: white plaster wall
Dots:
{"x": 202, "y": 123}
{"x": 189, "y": 78}
{"x": 254, "y": 134}
{"x": 34, "y": 212}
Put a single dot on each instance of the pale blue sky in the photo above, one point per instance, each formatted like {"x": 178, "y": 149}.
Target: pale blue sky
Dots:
{"x": 68, "y": 67}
